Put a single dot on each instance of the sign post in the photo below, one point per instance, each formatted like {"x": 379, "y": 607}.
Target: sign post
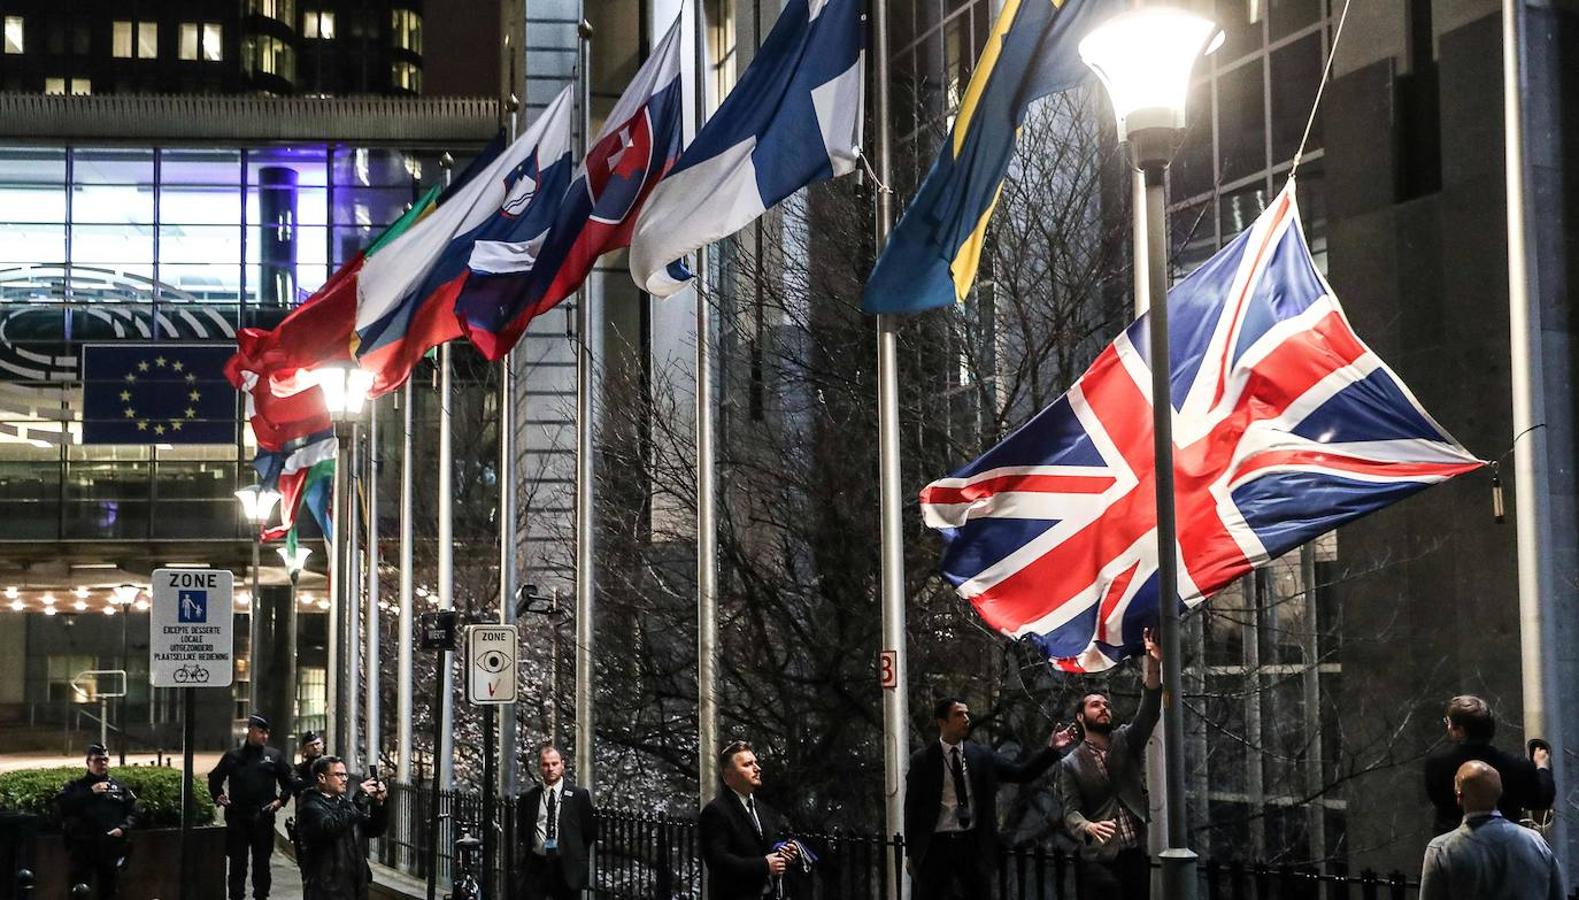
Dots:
{"x": 436, "y": 631}
{"x": 491, "y": 652}
{"x": 191, "y": 644}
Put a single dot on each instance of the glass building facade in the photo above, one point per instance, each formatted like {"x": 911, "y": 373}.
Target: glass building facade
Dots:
{"x": 158, "y": 244}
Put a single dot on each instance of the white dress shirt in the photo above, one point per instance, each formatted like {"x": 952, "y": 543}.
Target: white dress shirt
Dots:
{"x": 556, "y": 790}
{"x": 749, "y": 807}
{"x": 948, "y": 807}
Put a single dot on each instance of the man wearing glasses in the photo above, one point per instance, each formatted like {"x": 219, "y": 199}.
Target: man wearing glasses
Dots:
{"x": 98, "y": 812}
{"x": 1526, "y": 783}
{"x": 335, "y": 827}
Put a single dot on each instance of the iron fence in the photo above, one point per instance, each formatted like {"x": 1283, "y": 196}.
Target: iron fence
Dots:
{"x": 653, "y": 857}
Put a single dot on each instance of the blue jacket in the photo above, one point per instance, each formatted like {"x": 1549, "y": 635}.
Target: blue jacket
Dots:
{"x": 1489, "y": 858}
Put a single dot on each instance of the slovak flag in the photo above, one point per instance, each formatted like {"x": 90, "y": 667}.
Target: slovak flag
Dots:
{"x": 1286, "y": 426}
{"x": 793, "y": 119}
{"x": 407, "y": 294}
{"x": 639, "y": 143}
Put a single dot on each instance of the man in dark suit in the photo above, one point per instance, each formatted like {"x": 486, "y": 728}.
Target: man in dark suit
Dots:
{"x": 739, "y": 834}
{"x": 1102, "y": 787}
{"x": 1526, "y": 783}
{"x": 951, "y": 805}
{"x": 557, "y": 820}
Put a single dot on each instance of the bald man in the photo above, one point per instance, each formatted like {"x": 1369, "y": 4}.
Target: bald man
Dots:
{"x": 1487, "y": 857}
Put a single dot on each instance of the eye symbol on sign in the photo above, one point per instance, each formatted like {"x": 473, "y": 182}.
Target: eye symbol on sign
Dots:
{"x": 493, "y": 661}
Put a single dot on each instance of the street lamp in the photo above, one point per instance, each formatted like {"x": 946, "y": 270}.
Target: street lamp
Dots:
{"x": 295, "y": 559}
{"x": 257, "y": 505}
{"x": 1144, "y": 58}
{"x": 345, "y": 387}
{"x": 124, "y": 596}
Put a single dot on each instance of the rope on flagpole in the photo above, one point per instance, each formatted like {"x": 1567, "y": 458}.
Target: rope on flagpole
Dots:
{"x": 1326, "y": 75}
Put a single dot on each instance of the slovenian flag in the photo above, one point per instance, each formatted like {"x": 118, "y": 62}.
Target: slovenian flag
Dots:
{"x": 406, "y": 296}
{"x": 639, "y": 142}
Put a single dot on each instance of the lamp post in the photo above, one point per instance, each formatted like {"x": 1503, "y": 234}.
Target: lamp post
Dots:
{"x": 1144, "y": 58}
{"x": 257, "y": 505}
{"x": 295, "y": 559}
{"x": 344, "y": 388}
{"x": 124, "y": 596}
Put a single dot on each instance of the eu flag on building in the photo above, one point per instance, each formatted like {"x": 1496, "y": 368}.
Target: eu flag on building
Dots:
{"x": 156, "y": 394}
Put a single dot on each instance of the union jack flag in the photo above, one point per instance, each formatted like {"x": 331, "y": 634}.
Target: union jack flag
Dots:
{"x": 1285, "y": 426}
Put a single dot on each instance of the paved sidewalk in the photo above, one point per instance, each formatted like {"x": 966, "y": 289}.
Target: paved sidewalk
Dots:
{"x": 287, "y": 878}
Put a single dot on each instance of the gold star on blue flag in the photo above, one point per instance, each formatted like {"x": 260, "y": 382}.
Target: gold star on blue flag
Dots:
{"x": 136, "y": 393}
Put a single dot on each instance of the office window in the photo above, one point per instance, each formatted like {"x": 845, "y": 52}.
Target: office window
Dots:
{"x": 121, "y": 40}
{"x": 54, "y": 85}
{"x": 204, "y": 41}
{"x": 406, "y": 76}
{"x": 189, "y": 35}
{"x": 81, "y": 87}
{"x": 147, "y": 40}
{"x": 13, "y": 34}
{"x": 278, "y": 10}
{"x": 81, "y": 39}
{"x": 276, "y": 57}
{"x": 316, "y": 24}
{"x": 407, "y": 30}
{"x": 213, "y": 41}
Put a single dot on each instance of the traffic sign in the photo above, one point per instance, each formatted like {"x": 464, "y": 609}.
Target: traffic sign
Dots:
{"x": 436, "y": 630}
{"x": 191, "y": 639}
{"x": 490, "y": 664}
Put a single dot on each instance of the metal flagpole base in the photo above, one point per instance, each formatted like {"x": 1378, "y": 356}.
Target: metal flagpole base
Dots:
{"x": 1178, "y": 873}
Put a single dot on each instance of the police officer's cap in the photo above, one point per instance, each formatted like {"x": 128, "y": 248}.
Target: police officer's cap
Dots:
{"x": 97, "y": 750}
{"x": 257, "y": 722}
{"x": 309, "y": 737}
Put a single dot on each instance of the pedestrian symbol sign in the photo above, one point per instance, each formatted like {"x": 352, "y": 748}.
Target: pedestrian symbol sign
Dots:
{"x": 191, "y": 641}
{"x": 192, "y": 606}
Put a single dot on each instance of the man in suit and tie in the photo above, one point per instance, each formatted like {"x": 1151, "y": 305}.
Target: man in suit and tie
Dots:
{"x": 1102, "y": 787}
{"x": 557, "y": 819}
{"x": 739, "y": 833}
{"x": 951, "y": 805}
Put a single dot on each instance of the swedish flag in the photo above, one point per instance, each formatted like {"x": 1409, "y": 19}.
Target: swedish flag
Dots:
{"x": 932, "y": 255}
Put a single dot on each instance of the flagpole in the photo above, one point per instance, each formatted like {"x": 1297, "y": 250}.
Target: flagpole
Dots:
{"x": 895, "y": 692}
{"x": 1532, "y": 509}
{"x": 403, "y": 642}
{"x": 351, "y": 624}
{"x": 706, "y": 495}
{"x": 445, "y": 751}
{"x": 374, "y": 734}
{"x": 507, "y": 523}
{"x": 583, "y": 504}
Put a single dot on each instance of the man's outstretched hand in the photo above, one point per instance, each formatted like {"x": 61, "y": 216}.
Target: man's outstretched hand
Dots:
{"x": 1153, "y": 660}
{"x": 1062, "y": 738}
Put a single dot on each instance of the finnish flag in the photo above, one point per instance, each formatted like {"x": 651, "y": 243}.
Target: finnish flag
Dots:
{"x": 793, "y": 119}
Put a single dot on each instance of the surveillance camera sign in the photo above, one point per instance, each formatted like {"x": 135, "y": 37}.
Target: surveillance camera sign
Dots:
{"x": 490, "y": 664}
{"x": 191, "y": 640}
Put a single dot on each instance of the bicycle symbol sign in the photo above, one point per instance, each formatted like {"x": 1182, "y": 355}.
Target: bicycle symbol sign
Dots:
{"x": 190, "y": 629}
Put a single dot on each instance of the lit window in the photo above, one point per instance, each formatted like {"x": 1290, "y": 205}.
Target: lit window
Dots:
{"x": 54, "y": 85}
{"x": 406, "y": 76}
{"x": 213, "y": 41}
{"x": 407, "y": 28}
{"x": 81, "y": 87}
{"x": 279, "y": 10}
{"x": 189, "y": 33}
{"x": 276, "y": 57}
{"x": 147, "y": 40}
{"x": 317, "y": 24}
{"x": 13, "y": 34}
{"x": 121, "y": 40}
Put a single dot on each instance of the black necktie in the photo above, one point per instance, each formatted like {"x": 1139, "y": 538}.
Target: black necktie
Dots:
{"x": 553, "y": 818}
{"x": 961, "y": 795}
{"x": 751, "y": 807}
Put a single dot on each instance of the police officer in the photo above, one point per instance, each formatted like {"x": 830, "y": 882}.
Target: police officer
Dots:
{"x": 259, "y": 784}
{"x": 98, "y": 812}
{"x": 312, "y": 748}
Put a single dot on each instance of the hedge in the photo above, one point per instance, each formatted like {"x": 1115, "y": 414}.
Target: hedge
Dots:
{"x": 158, "y": 791}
